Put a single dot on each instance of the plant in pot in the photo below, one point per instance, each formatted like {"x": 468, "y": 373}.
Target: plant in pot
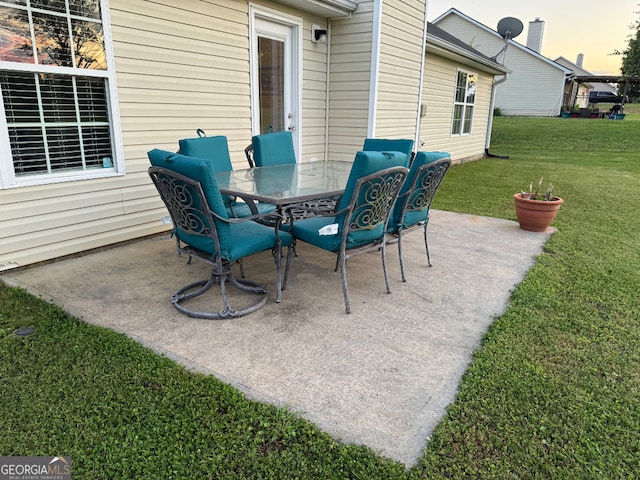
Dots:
{"x": 535, "y": 210}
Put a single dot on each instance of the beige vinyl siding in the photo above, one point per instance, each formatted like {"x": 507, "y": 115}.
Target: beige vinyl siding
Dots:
{"x": 350, "y": 72}
{"x": 180, "y": 66}
{"x": 438, "y": 95}
{"x": 314, "y": 94}
{"x": 535, "y": 86}
{"x": 401, "y": 50}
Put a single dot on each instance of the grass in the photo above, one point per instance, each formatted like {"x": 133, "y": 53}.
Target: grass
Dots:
{"x": 554, "y": 392}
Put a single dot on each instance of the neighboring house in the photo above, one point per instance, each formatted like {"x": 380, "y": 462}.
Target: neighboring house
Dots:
{"x": 535, "y": 85}
{"x": 578, "y": 93}
{"x": 458, "y": 84}
{"x": 88, "y": 87}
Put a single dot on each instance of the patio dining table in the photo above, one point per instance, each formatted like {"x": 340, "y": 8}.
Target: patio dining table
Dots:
{"x": 283, "y": 185}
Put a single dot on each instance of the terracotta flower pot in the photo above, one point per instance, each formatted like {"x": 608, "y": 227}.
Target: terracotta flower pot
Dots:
{"x": 536, "y": 215}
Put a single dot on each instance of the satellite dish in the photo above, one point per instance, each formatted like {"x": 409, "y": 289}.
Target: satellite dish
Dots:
{"x": 509, "y": 27}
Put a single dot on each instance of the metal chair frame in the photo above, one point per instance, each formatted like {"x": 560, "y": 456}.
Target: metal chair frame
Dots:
{"x": 419, "y": 196}
{"x": 370, "y": 205}
{"x": 248, "y": 152}
{"x": 187, "y": 204}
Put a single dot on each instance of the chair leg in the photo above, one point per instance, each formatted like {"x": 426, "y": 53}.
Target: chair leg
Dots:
{"x": 400, "y": 254}
{"x": 426, "y": 244}
{"x": 384, "y": 268}
{"x": 343, "y": 274}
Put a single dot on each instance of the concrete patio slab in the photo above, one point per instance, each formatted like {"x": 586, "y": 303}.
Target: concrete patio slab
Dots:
{"x": 381, "y": 376}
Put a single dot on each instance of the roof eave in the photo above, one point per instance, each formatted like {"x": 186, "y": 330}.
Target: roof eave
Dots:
{"x": 447, "y": 50}
{"x": 324, "y": 8}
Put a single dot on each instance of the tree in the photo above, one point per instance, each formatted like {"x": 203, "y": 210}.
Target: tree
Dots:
{"x": 631, "y": 60}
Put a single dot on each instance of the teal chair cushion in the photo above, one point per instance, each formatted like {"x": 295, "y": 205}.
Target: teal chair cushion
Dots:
{"x": 242, "y": 210}
{"x": 307, "y": 231}
{"x": 364, "y": 164}
{"x": 273, "y": 149}
{"x": 412, "y": 217}
{"x": 215, "y": 149}
{"x": 202, "y": 171}
{"x": 250, "y": 237}
{"x": 390, "y": 145}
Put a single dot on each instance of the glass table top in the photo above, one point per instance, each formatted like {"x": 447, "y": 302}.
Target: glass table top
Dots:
{"x": 284, "y": 184}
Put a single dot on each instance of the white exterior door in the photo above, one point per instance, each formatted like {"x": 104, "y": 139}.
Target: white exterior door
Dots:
{"x": 275, "y": 74}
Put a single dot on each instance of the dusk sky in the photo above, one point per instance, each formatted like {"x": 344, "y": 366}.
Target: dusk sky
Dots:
{"x": 595, "y": 29}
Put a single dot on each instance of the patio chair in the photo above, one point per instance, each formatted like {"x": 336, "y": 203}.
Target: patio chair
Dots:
{"x": 359, "y": 221}
{"x": 248, "y": 152}
{"x": 216, "y": 150}
{"x": 273, "y": 149}
{"x": 204, "y": 231}
{"x": 390, "y": 145}
{"x": 414, "y": 201}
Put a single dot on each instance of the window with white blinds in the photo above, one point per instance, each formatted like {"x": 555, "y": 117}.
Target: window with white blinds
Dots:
{"x": 54, "y": 87}
{"x": 464, "y": 103}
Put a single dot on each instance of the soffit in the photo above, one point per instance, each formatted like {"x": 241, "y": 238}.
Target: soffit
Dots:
{"x": 323, "y": 8}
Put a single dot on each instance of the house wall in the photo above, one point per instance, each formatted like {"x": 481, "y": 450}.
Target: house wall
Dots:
{"x": 439, "y": 91}
{"x": 401, "y": 51}
{"x": 535, "y": 86}
{"x": 185, "y": 65}
{"x": 350, "y": 81}
{"x": 180, "y": 66}
{"x": 384, "y": 103}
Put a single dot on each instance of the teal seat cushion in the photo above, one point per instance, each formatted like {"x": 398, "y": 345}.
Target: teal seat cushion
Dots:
{"x": 273, "y": 149}
{"x": 390, "y": 145}
{"x": 412, "y": 217}
{"x": 250, "y": 237}
{"x": 307, "y": 231}
{"x": 200, "y": 170}
{"x": 241, "y": 209}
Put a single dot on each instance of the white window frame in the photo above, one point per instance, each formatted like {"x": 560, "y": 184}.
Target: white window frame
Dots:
{"x": 8, "y": 179}
{"x": 464, "y": 104}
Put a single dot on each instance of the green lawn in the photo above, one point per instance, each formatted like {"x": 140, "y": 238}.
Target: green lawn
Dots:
{"x": 554, "y": 392}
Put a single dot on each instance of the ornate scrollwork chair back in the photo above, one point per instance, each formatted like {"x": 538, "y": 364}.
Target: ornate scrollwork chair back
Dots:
{"x": 414, "y": 201}
{"x": 359, "y": 220}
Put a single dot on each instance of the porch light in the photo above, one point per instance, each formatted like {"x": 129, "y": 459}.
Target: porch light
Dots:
{"x": 318, "y": 34}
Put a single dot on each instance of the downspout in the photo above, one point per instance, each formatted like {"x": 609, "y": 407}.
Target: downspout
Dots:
{"x": 375, "y": 65}
{"x": 416, "y": 141}
{"x": 327, "y": 90}
{"x": 490, "y": 122}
